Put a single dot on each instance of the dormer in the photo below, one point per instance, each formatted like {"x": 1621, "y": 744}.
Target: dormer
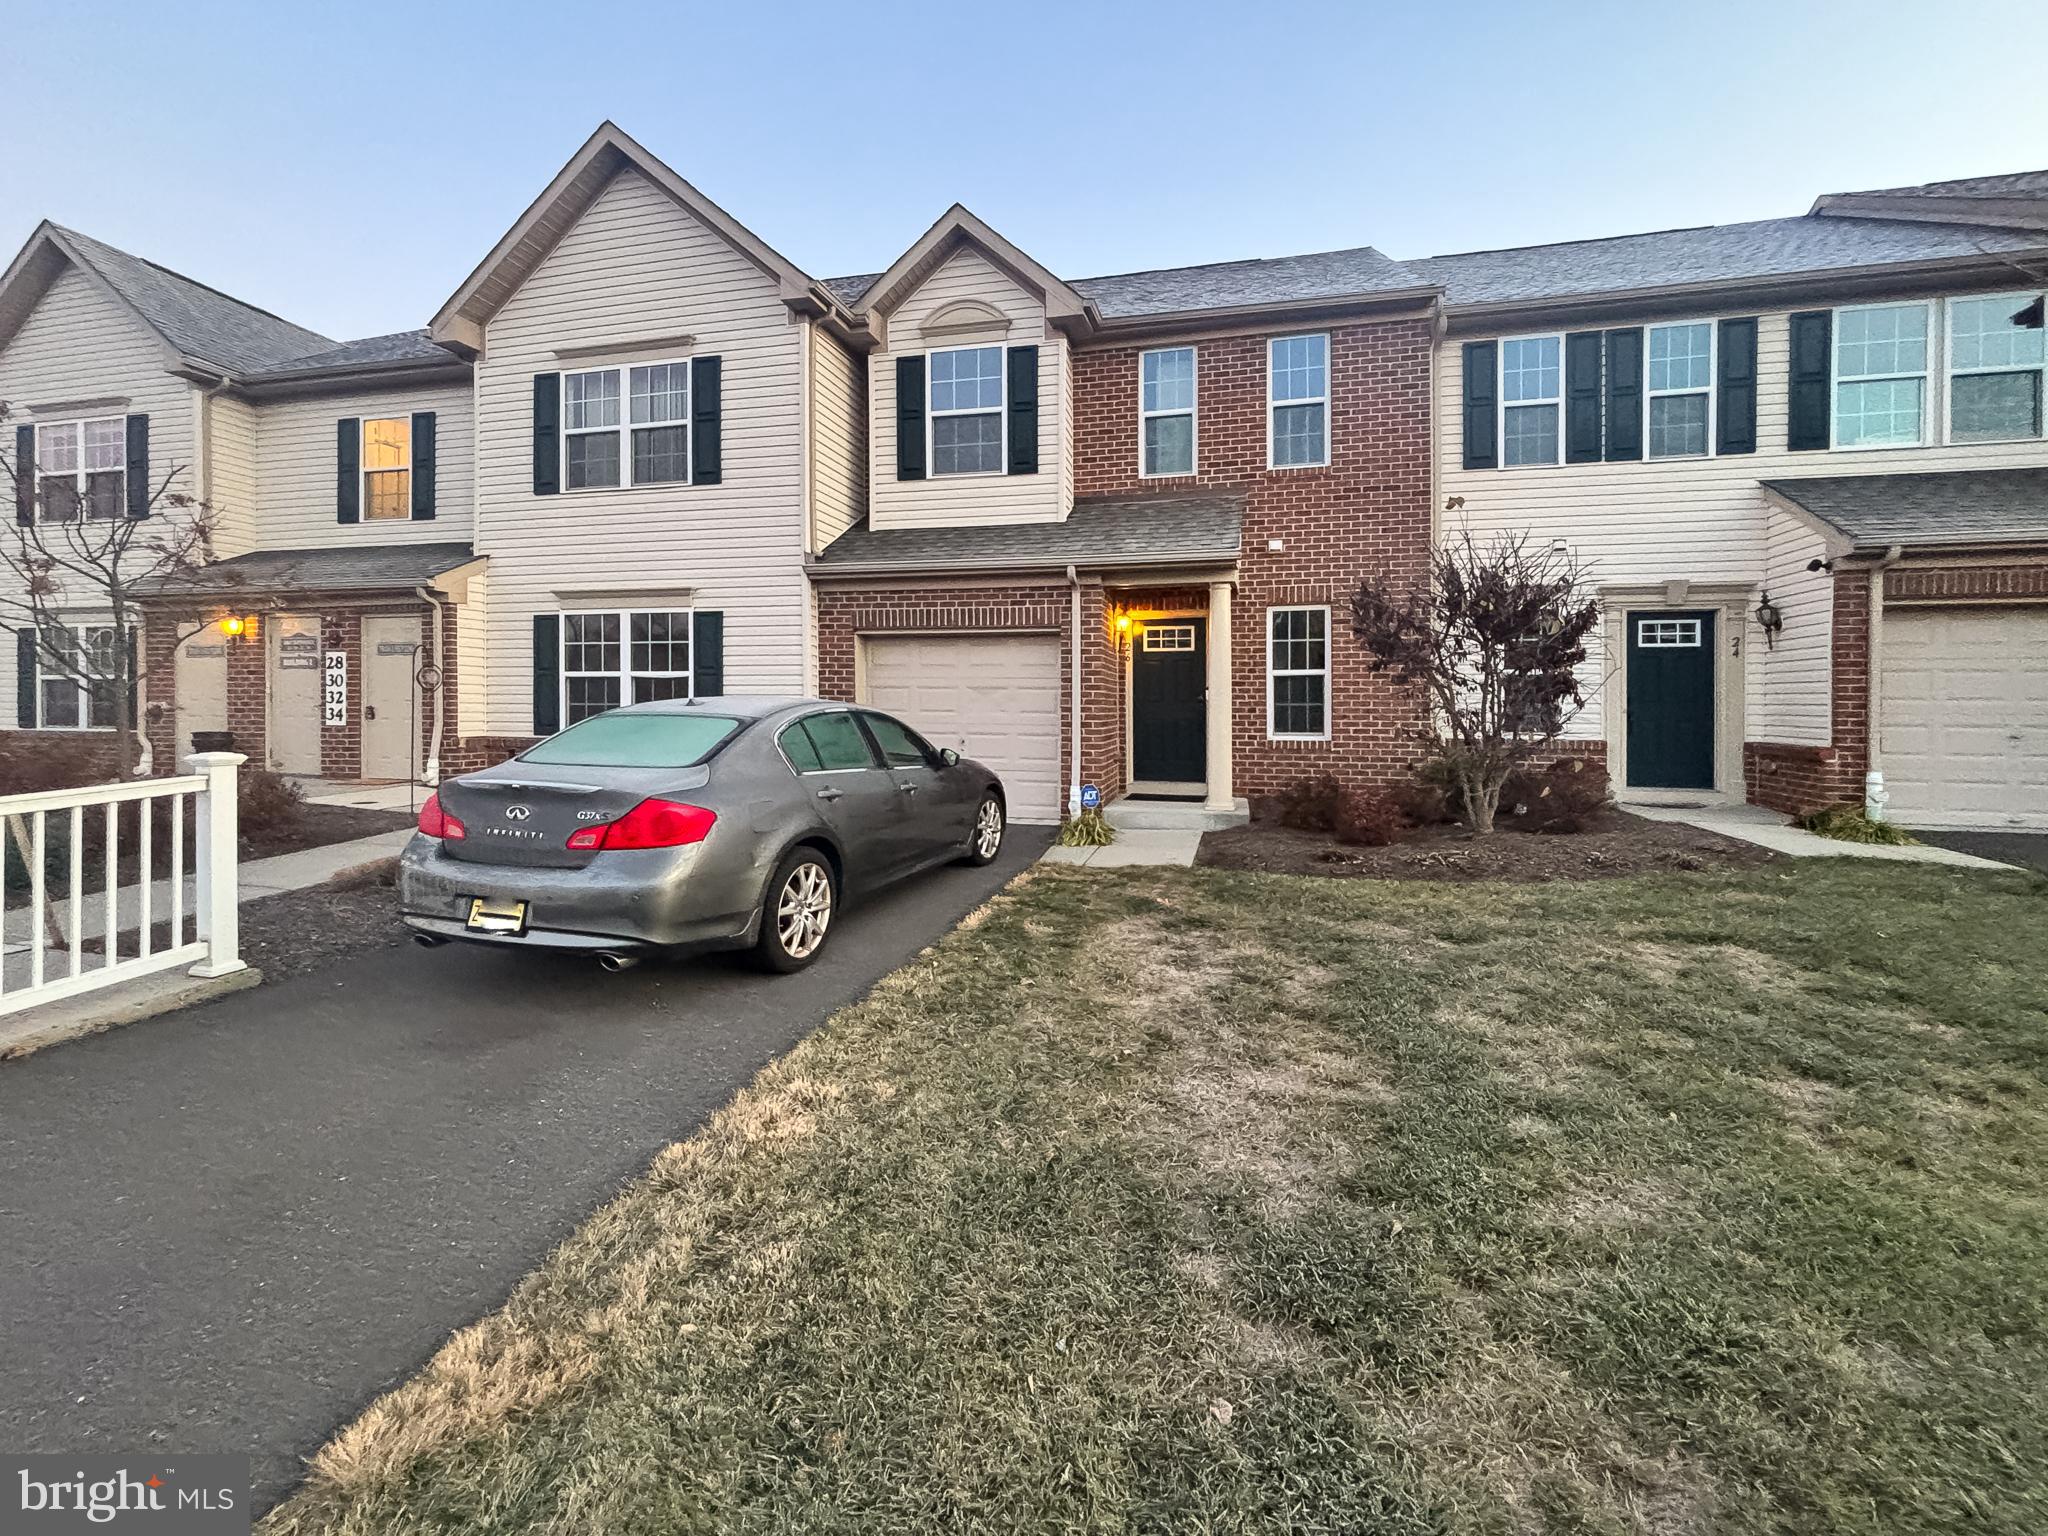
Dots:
{"x": 970, "y": 386}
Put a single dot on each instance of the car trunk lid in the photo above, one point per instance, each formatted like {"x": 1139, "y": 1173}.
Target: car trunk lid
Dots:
{"x": 523, "y": 814}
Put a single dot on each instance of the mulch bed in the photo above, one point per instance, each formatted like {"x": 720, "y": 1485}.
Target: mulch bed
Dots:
{"x": 318, "y": 825}
{"x": 1614, "y": 844}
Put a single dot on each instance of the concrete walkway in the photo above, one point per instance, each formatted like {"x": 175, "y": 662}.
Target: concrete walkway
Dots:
{"x": 1141, "y": 846}
{"x": 1768, "y": 829}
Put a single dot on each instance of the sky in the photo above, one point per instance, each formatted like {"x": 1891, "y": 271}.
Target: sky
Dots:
{"x": 347, "y": 168}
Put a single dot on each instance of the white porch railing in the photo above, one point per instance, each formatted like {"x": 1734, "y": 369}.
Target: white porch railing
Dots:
{"x": 45, "y": 939}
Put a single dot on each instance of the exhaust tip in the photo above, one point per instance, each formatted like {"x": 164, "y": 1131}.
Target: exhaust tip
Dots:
{"x": 428, "y": 940}
{"x": 612, "y": 960}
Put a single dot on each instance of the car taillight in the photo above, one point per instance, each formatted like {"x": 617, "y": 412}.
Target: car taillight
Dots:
{"x": 435, "y": 822}
{"x": 650, "y": 824}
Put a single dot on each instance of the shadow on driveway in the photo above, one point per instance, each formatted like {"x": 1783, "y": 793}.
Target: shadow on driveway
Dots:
{"x": 230, "y": 1228}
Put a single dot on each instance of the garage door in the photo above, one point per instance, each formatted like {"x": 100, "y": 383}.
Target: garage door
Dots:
{"x": 995, "y": 697}
{"x": 1965, "y": 732}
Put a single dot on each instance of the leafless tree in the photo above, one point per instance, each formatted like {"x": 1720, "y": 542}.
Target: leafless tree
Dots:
{"x": 1492, "y": 637}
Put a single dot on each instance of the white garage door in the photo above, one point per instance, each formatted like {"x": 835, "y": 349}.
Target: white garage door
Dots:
{"x": 995, "y": 697}
{"x": 1965, "y": 723}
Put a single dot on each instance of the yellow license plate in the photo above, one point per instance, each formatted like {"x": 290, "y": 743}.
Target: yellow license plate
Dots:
{"x": 497, "y": 916}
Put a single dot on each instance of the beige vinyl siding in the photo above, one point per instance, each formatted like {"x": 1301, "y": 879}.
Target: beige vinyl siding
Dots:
{"x": 297, "y": 443}
{"x": 471, "y": 638}
{"x": 233, "y": 476}
{"x": 1788, "y": 677}
{"x": 635, "y": 267}
{"x": 839, "y": 467}
{"x": 1699, "y": 520}
{"x": 81, "y": 343}
{"x": 1047, "y": 496}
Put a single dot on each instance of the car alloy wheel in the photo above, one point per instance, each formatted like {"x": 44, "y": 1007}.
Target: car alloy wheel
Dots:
{"x": 988, "y": 829}
{"x": 804, "y": 910}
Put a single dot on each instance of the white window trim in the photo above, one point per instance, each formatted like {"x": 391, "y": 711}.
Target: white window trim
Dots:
{"x": 363, "y": 471}
{"x": 1323, "y": 672}
{"x": 78, "y": 476}
{"x": 1712, "y": 390}
{"x": 625, "y": 673}
{"x": 1501, "y": 402}
{"x": 1950, "y": 373}
{"x": 83, "y": 690}
{"x": 624, "y": 430}
{"x": 1002, "y": 414}
{"x": 1928, "y": 404}
{"x": 1192, "y": 412}
{"x": 1273, "y": 406}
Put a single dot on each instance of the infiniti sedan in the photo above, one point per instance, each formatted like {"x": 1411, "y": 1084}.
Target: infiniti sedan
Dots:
{"x": 691, "y": 825}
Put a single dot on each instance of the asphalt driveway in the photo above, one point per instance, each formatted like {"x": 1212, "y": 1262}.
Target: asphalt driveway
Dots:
{"x": 229, "y": 1229}
{"x": 2029, "y": 850}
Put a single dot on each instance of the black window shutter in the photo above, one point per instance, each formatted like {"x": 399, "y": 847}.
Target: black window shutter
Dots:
{"x": 547, "y": 433}
{"x": 348, "y": 464}
{"x": 1023, "y": 411}
{"x": 24, "y": 474}
{"x": 707, "y": 653}
{"x": 1625, "y": 394}
{"x": 547, "y": 673}
{"x": 1807, "y": 425}
{"x": 1735, "y": 410}
{"x": 138, "y": 466}
{"x": 707, "y": 465}
{"x": 1480, "y": 384}
{"x": 910, "y": 418}
{"x": 25, "y": 678}
{"x": 422, "y": 465}
{"x": 1582, "y": 397}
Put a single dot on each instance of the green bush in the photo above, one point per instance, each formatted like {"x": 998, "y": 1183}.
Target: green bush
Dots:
{"x": 1848, "y": 824}
{"x": 1086, "y": 829}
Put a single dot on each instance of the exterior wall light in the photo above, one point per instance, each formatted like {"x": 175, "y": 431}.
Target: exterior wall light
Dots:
{"x": 232, "y": 625}
{"x": 1771, "y": 619}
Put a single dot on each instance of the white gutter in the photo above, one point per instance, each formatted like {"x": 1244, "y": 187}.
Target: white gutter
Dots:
{"x": 1074, "y": 670}
{"x": 432, "y": 599}
{"x": 1874, "y": 794}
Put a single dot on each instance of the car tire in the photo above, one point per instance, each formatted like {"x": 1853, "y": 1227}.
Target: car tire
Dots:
{"x": 985, "y": 833}
{"x": 797, "y": 914}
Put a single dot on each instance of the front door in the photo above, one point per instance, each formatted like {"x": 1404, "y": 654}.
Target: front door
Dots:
{"x": 200, "y": 686}
{"x": 1671, "y": 700}
{"x": 1169, "y": 715}
{"x": 391, "y": 713}
{"x": 295, "y": 693}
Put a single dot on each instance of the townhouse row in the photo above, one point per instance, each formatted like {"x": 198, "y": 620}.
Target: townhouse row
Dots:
{"x": 1098, "y": 531}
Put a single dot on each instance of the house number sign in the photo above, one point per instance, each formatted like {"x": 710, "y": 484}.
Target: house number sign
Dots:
{"x": 334, "y": 689}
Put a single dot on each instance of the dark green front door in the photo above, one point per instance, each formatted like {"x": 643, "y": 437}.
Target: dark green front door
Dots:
{"x": 1169, "y": 720}
{"x": 1671, "y": 700}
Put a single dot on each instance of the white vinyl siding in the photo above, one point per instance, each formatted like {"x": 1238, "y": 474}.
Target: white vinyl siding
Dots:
{"x": 233, "y": 476}
{"x": 295, "y": 461}
{"x": 945, "y": 500}
{"x": 838, "y": 440}
{"x": 637, "y": 265}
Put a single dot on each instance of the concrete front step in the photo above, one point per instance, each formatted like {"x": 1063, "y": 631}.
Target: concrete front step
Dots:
{"x": 1174, "y": 816}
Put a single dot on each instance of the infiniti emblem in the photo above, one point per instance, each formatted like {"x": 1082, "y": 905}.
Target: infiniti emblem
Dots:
{"x": 518, "y": 812}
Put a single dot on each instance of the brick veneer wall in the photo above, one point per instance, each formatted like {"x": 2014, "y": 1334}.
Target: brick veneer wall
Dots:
{"x": 2018, "y": 580}
{"x": 1797, "y": 779}
{"x": 1366, "y": 513}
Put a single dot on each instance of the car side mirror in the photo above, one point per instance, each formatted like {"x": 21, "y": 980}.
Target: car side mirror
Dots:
{"x": 949, "y": 757}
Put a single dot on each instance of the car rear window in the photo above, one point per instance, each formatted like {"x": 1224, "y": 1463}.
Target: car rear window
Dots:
{"x": 621, "y": 740}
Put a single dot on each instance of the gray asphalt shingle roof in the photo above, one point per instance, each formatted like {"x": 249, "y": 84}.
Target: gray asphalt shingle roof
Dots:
{"x": 399, "y": 347}
{"x": 1102, "y": 531}
{"x": 2016, "y": 184}
{"x": 1976, "y": 506}
{"x": 346, "y": 568}
{"x": 201, "y": 322}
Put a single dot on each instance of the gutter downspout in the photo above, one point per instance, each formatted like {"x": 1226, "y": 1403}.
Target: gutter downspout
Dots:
{"x": 432, "y": 599}
{"x": 1074, "y": 669}
{"x": 1874, "y": 794}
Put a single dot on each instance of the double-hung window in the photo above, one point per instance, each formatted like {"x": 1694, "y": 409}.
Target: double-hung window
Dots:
{"x": 1298, "y": 674}
{"x": 967, "y": 411}
{"x": 626, "y": 426}
{"x": 1166, "y": 412}
{"x": 1995, "y": 365}
{"x": 82, "y": 466}
{"x": 387, "y": 467}
{"x": 1881, "y": 375}
{"x": 74, "y": 664}
{"x": 1681, "y": 385}
{"x": 614, "y": 657}
{"x": 1298, "y": 393}
{"x": 1531, "y": 400}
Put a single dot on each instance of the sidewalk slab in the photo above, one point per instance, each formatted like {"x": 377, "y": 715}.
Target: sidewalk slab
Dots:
{"x": 1132, "y": 848}
{"x": 1768, "y": 829}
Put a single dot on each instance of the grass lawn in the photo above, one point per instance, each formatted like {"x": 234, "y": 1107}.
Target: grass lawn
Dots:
{"x": 1183, "y": 1200}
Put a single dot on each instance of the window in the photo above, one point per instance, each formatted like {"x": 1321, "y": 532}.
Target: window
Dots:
{"x": 1169, "y": 637}
{"x": 1166, "y": 412}
{"x": 71, "y": 664}
{"x": 901, "y": 746}
{"x": 1298, "y": 673}
{"x": 1681, "y": 389}
{"x": 1655, "y": 634}
{"x": 1880, "y": 376}
{"x": 647, "y": 442}
{"x": 1298, "y": 386}
{"x": 613, "y": 658}
{"x": 82, "y": 464}
{"x": 1531, "y": 395}
{"x": 967, "y": 411}
{"x": 838, "y": 742}
{"x": 635, "y": 741}
{"x": 1995, "y": 359}
{"x": 387, "y": 468}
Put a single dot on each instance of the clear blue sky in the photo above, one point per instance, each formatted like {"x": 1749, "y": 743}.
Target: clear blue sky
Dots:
{"x": 348, "y": 168}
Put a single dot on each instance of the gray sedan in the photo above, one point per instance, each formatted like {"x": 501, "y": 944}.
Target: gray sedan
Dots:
{"x": 686, "y": 825}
